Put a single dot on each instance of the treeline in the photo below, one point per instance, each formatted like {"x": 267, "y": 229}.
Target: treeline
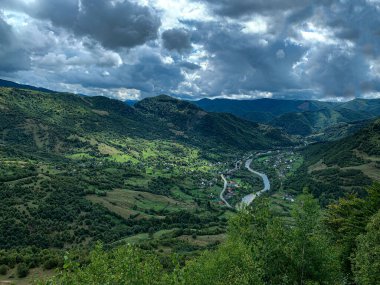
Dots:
{"x": 340, "y": 245}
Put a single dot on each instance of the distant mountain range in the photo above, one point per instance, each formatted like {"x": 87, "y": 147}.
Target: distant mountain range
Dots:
{"x": 33, "y": 120}
{"x": 295, "y": 117}
{"x": 261, "y": 110}
{"x": 298, "y": 117}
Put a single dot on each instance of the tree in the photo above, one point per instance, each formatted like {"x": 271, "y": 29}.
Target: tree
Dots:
{"x": 347, "y": 219}
{"x": 314, "y": 257}
{"x": 366, "y": 262}
{"x": 230, "y": 264}
{"x": 124, "y": 265}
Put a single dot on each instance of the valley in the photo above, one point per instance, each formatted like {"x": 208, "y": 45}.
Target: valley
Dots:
{"x": 191, "y": 142}
{"x": 163, "y": 175}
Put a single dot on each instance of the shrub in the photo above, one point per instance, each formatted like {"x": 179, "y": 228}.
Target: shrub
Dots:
{"x": 3, "y": 269}
{"x": 51, "y": 263}
{"x": 22, "y": 270}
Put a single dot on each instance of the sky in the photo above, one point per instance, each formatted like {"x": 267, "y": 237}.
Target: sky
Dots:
{"x": 191, "y": 49}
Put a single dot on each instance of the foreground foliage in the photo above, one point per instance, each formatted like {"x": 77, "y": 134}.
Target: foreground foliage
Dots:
{"x": 261, "y": 249}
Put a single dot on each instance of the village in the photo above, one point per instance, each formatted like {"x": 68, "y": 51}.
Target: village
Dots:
{"x": 280, "y": 163}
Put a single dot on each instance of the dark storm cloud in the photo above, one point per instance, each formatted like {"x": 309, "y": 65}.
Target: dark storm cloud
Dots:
{"x": 149, "y": 75}
{"x": 238, "y": 8}
{"x": 345, "y": 71}
{"x": 13, "y": 56}
{"x": 338, "y": 66}
{"x": 189, "y": 65}
{"x": 336, "y": 73}
{"x": 114, "y": 25}
{"x": 359, "y": 22}
{"x": 241, "y": 63}
{"x": 285, "y": 48}
{"x": 177, "y": 39}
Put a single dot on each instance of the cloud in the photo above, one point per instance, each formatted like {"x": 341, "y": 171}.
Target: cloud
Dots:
{"x": 206, "y": 48}
{"x": 238, "y": 8}
{"x": 177, "y": 39}
{"x": 114, "y": 24}
{"x": 238, "y": 63}
{"x": 189, "y": 65}
{"x": 13, "y": 56}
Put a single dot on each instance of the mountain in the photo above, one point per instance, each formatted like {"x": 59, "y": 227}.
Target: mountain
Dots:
{"x": 369, "y": 106}
{"x": 298, "y": 117}
{"x": 311, "y": 122}
{"x": 336, "y": 169}
{"x": 76, "y": 169}
{"x": 261, "y": 110}
{"x": 192, "y": 123}
{"x": 45, "y": 120}
{"x": 6, "y": 83}
{"x": 338, "y": 131}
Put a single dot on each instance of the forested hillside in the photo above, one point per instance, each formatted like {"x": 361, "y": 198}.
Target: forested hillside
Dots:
{"x": 189, "y": 121}
{"x": 335, "y": 246}
{"x": 299, "y": 117}
{"x": 75, "y": 170}
{"x": 46, "y": 120}
{"x": 78, "y": 170}
{"x": 334, "y": 169}
{"x": 261, "y": 110}
{"x": 307, "y": 123}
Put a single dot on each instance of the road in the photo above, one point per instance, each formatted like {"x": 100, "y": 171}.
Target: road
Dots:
{"x": 249, "y": 198}
{"x": 224, "y": 190}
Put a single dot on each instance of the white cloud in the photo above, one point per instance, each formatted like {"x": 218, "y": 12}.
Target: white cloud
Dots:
{"x": 126, "y": 94}
{"x": 316, "y": 34}
{"x": 251, "y": 95}
{"x": 374, "y": 67}
{"x": 173, "y": 11}
{"x": 258, "y": 25}
{"x": 371, "y": 95}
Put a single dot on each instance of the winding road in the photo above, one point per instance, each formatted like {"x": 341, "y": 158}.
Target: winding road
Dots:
{"x": 224, "y": 190}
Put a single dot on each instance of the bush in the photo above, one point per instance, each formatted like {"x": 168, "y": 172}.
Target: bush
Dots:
{"x": 22, "y": 270}
{"x": 51, "y": 263}
{"x": 3, "y": 269}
